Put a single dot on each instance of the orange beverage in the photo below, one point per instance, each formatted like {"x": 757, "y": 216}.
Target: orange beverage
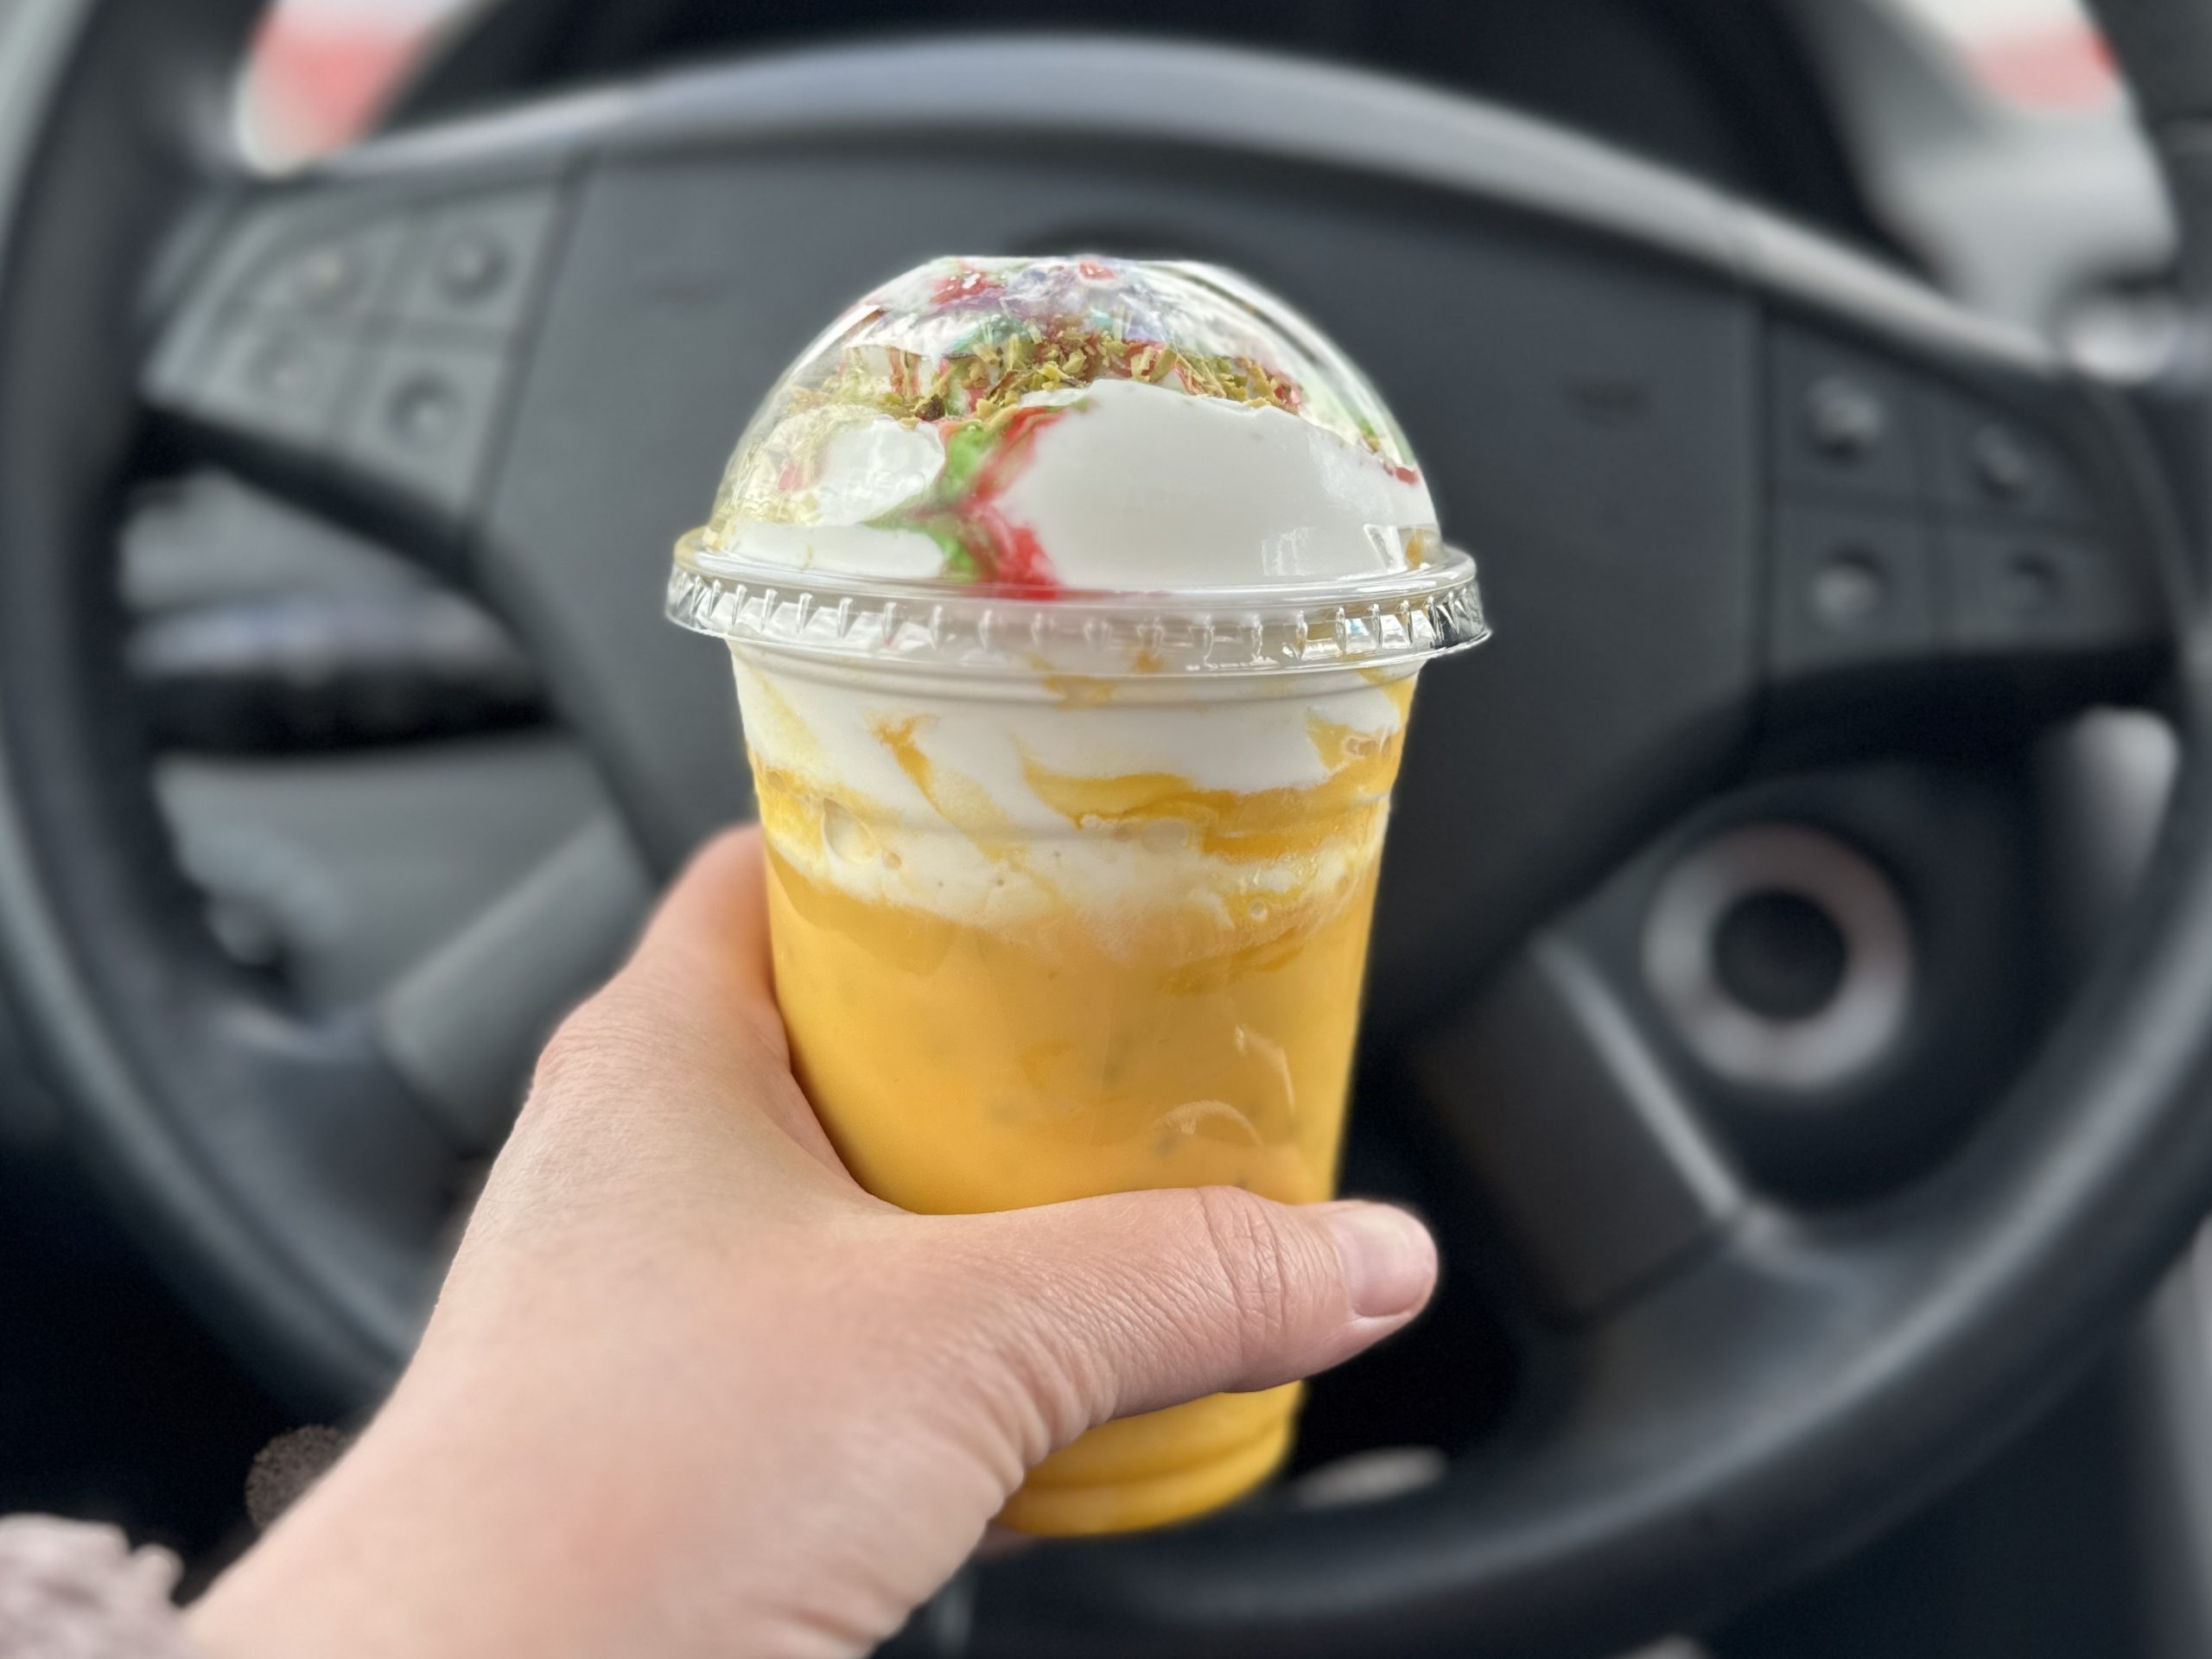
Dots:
{"x": 1157, "y": 984}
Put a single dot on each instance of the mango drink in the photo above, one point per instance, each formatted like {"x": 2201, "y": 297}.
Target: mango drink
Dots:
{"x": 1075, "y": 606}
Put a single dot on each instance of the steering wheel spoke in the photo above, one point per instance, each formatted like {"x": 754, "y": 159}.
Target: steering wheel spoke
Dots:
{"x": 464, "y": 1025}
{"x": 1605, "y": 1174}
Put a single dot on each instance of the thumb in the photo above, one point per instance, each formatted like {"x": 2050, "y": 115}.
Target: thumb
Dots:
{"x": 1137, "y": 1301}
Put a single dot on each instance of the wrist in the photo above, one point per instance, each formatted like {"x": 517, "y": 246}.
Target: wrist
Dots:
{"x": 429, "y": 1540}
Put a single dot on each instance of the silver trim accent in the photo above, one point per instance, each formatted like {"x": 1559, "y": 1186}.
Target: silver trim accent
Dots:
{"x": 1859, "y": 1023}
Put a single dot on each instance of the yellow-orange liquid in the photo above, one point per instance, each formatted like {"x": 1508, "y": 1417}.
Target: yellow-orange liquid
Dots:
{"x": 1193, "y": 1037}
{"x": 959, "y": 1070}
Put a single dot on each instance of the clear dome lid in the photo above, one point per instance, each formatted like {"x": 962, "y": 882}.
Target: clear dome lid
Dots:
{"x": 1075, "y": 449}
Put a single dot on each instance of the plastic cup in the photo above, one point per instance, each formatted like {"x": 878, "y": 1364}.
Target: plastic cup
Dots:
{"x": 1071, "y": 888}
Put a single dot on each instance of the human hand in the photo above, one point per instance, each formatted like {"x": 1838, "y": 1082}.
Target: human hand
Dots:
{"x": 690, "y": 1390}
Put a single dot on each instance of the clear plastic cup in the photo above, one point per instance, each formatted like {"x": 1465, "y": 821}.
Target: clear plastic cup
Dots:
{"x": 1071, "y": 881}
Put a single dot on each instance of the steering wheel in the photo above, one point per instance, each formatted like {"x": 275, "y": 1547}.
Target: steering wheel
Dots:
{"x": 1742, "y": 496}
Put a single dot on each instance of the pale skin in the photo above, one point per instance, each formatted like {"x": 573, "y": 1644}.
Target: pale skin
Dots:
{"x": 690, "y": 1391}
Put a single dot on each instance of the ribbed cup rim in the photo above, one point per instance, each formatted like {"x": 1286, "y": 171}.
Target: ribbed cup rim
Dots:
{"x": 1400, "y": 618}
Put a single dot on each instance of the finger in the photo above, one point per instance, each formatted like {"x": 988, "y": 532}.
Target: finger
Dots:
{"x": 1130, "y": 1302}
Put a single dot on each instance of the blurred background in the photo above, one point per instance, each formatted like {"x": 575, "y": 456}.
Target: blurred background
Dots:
{"x": 1990, "y": 137}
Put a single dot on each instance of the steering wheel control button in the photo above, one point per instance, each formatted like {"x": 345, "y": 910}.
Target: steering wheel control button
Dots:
{"x": 1844, "y": 421}
{"x": 481, "y": 253}
{"x": 327, "y": 276}
{"x": 1998, "y": 468}
{"x": 423, "y": 421}
{"x": 2029, "y": 584}
{"x": 1781, "y": 957}
{"x": 2037, "y": 590}
{"x": 274, "y": 381}
{"x": 423, "y": 412}
{"x": 471, "y": 265}
{"x": 1850, "y": 588}
{"x": 334, "y": 275}
{"x": 1844, "y": 418}
{"x": 2001, "y": 464}
{"x": 281, "y": 367}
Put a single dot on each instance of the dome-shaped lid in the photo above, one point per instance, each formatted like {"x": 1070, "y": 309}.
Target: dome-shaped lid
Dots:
{"x": 985, "y": 436}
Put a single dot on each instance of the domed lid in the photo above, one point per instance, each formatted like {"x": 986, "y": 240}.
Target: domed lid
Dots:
{"x": 1076, "y": 447}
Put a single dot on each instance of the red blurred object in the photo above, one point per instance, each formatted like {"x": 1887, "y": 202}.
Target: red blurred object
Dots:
{"x": 2064, "y": 67}
{"x": 322, "y": 71}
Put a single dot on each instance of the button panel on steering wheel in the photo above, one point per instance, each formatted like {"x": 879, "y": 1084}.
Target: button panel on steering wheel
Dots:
{"x": 1914, "y": 521}
{"x": 374, "y": 358}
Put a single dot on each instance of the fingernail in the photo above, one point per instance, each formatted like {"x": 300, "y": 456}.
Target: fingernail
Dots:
{"x": 1390, "y": 1259}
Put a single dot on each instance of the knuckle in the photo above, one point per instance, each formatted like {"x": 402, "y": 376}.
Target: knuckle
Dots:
{"x": 628, "y": 1035}
{"x": 1253, "y": 1261}
{"x": 596, "y": 1041}
{"x": 1027, "y": 1363}
{"x": 573, "y": 1049}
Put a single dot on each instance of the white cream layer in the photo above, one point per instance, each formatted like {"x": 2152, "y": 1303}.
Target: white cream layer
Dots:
{"x": 943, "y": 849}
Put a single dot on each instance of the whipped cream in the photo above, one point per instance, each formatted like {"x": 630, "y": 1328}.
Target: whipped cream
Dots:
{"x": 1125, "y": 486}
{"x": 961, "y": 806}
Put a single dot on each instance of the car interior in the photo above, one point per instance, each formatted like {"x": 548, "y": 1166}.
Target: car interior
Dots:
{"x": 1791, "y": 990}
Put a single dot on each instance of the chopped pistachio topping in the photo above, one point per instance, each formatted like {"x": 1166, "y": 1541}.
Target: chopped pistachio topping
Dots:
{"x": 987, "y": 375}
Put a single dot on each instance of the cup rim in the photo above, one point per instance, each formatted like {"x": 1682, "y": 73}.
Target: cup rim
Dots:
{"x": 1398, "y": 618}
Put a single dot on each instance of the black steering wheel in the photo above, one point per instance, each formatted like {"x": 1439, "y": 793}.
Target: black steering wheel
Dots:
{"x": 1742, "y": 496}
